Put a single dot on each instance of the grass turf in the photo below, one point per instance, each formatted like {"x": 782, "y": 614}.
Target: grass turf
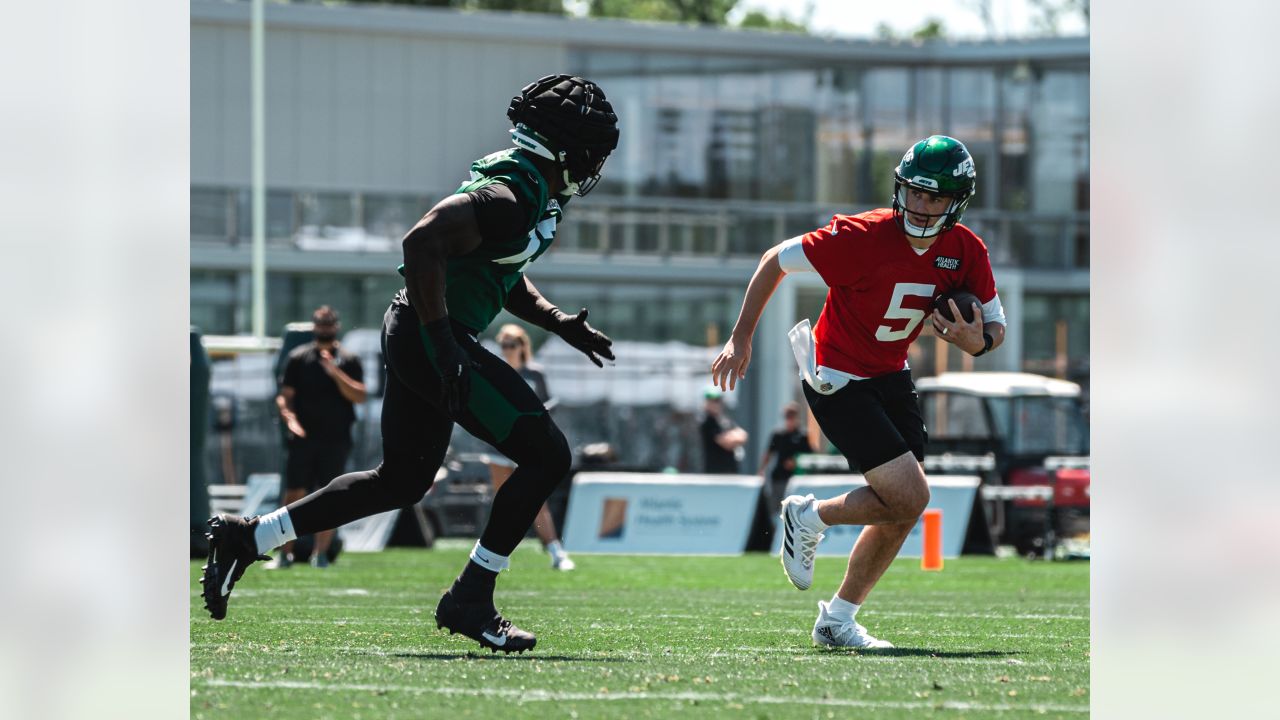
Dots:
{"x": 642, "y": 637}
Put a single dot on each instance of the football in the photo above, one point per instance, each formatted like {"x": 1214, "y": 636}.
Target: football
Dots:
{"x": 964, "y": 300}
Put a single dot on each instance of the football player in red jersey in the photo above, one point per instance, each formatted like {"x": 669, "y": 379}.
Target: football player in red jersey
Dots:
{"x": 882, "y": 268}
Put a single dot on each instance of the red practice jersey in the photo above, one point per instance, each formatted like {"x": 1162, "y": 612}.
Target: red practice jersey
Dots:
{"x": 881, "y": 290}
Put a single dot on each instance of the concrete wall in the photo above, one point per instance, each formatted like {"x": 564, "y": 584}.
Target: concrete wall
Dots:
{"x": 361, "y": 109}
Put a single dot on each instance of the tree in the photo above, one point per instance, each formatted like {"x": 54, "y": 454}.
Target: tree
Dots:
{"x": 757, "y": 20}
{"x": 931, "y": 29}
{"x": 1051, "y": 12}
{"x": 550, "y": 7}
{"x": 705, "y": 12}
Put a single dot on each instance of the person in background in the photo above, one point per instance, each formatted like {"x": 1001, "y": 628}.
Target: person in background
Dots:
{"x": 320, "y": 387}
{"x": 784, "y": 445}
{"x": 517, "y": 351}
{"x": 722, "y": 439}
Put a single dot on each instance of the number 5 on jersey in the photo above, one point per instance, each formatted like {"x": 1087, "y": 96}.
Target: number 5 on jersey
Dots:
{"x": 884, "y": 333}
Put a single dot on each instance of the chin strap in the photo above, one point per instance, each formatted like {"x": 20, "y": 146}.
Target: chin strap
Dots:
{"x": 570, "y": 187}
{"x": 916, "y": 230}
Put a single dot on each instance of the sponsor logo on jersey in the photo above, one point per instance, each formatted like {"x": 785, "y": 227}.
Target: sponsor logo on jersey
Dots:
{"x": 947, "y": 263}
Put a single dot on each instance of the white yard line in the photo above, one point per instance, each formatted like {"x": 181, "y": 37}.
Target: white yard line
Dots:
{"x": 548, "y": 696}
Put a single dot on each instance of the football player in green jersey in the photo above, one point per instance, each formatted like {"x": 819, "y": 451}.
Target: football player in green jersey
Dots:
{"x": 463, "y": 263}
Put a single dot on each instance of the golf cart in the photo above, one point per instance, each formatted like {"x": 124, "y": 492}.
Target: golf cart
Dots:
{"x": 1028, "y": 437}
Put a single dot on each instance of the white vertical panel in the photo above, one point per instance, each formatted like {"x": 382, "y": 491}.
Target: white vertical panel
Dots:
{"x": 206, "y": 167}
{"x": 233, "y": 105}
{"x": 389, "y": 111}
{"x": 283, "y": 111}
{"x": 350, "y": 145}
{"x": 359, "y": 111}
{"x": 316, "y": 129}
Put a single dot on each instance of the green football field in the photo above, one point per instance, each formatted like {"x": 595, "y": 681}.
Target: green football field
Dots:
{"x": 642, "y": 637}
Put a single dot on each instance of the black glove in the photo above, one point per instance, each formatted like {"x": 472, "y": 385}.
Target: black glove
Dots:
{"x": 453, "y": 364}
{"x": 575, "y": 331}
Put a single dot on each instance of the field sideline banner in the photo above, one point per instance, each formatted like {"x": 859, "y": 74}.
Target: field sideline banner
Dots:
{"x": 953, "y": 494}
{"x": 660, "y": 514}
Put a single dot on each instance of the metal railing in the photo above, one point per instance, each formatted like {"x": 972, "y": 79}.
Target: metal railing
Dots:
{"x": 656, "y": 226}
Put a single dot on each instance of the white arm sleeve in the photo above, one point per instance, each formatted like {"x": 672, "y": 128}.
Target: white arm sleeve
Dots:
{"x": 993, "y": 311}
{"x": 791, "y": 257}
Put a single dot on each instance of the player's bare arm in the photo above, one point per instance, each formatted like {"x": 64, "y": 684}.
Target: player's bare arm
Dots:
{"x": 525, "y": 302}
{"x": 449, "y": 228}
{"x": 967, "y": 335}
{"x": 730, "y": 365}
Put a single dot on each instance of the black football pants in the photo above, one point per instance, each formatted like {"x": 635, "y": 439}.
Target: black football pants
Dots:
{"x": 501, "y": 409}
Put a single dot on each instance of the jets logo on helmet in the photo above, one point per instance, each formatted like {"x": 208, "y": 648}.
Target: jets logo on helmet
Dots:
{"x": 567, "y": 120}
{"x": 940, "y": 165}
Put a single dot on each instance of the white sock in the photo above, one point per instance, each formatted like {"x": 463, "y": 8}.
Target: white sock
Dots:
{"x": 274, "y": 530}
{"x": 809, "y": 516}
{"x": 488, "y": 559}
{"x": 555, "y": 549}
{"x": 842, "y": 609}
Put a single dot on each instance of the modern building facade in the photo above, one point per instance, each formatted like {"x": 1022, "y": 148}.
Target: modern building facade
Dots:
{"x": 732, "y": 141}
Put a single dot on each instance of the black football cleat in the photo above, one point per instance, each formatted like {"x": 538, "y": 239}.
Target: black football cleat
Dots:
{"x": 232, "y": 548}
{"x": 482, "y": 623}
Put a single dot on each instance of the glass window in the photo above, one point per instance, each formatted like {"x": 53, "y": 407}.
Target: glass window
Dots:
{"x": 1055, "y": 333}
{"x": 950, "y": 416}
{"x": 212, "y": 215}
{"x": 930, "y": 94}
{"x": 1014, "y": 192}
{"x": 1060, "y": 163}
{"x": 321, "y": 210}
{"x": 840, "y": 137}
{"x": 887, "y": 93}
{"x": 281, "y": 219}
{"x": 213, "y": 302}
{"x": 972, "y": 113}
{"x": 391, "y": 216}
{"x": 1051, "y": 425}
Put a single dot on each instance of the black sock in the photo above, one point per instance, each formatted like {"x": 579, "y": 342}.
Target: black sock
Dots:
{"x": 474, "y": 583}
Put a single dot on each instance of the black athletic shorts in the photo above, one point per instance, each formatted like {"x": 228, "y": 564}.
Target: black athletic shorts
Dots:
{"x": 312, "y": 463}
{"x": 872, "y": 421}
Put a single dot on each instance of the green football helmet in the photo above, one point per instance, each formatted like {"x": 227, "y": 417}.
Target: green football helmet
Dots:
{"x": 940, "y": 165}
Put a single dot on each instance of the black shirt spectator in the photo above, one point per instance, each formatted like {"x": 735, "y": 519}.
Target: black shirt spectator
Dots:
{"x": 320, "y": 406}
{"x": 319, "y": 389}
{"x": 784, "y": 446}
{"x": 722, "y": 439}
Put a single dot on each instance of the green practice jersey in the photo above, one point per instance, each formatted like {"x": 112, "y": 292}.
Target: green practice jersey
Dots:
{"x": 476, "y": 284}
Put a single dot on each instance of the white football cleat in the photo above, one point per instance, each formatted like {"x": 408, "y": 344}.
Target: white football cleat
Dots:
{"x": 562, "y": 562}
{"x": 833, "y": 632}
{"x": 799, "y": 542}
